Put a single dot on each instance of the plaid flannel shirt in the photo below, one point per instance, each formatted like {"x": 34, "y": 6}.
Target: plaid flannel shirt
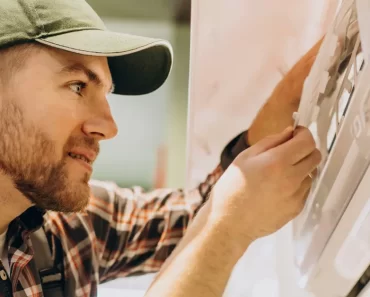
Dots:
{"x": 122, "y": 232}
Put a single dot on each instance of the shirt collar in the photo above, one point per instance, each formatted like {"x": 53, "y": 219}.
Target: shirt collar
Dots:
{"x": 32, "y": 219}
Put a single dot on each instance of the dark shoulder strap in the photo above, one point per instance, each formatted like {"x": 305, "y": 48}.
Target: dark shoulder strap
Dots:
{"x": 51, "y": 277}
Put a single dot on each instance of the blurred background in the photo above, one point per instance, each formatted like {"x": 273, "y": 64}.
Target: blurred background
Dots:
{"x": 149, "y": 150}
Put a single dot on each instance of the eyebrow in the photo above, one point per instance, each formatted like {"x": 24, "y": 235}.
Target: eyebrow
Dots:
{"x": 91, "y": 75}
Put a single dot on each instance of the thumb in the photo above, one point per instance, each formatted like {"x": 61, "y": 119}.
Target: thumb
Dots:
{"x": 272, "y": 141}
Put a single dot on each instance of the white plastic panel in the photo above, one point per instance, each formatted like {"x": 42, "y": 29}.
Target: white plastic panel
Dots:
{"x": 346, "y": 255}
{"x": 364, "y": 22}
{"x": 335, "y": 105}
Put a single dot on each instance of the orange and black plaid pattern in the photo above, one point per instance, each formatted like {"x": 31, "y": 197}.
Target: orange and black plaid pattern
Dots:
{"x": 122, "y": 232}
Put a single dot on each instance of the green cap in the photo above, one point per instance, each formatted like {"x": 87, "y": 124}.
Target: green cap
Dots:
{"x": 139, "y": 65}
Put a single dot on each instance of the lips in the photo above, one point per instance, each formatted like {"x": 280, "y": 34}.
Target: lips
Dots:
{"x": 81, "y": 157}
{"x": 86, "y": 155}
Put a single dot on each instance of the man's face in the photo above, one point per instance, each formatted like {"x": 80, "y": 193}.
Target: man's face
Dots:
{"x": 53, "y": 113}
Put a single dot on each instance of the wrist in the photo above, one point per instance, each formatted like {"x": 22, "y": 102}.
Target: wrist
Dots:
{"x": 226, "y": 242}
{"x": 216, "y": 235}
{"x": 224, "y": 234}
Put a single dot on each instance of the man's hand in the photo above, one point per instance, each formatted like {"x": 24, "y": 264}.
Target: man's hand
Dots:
{"x": 264, "y": 188}
{"x": 277, "y": 113}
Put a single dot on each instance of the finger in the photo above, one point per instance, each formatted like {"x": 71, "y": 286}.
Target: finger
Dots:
{"x": 314, "y": 173}
{"x": 307, "y": 165}
{"x": 300, "y": 197}
{"x": 312, "y": 53}
{"x": 316, "y": 48}
{"x": 271, "y": 141}
{"x": 305, "y": 186}
{"x": 301, "y": 201}
{"x": 299, "y": 147}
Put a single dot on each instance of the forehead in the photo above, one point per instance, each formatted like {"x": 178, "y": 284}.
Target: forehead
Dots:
{"x": 56, "y": 60}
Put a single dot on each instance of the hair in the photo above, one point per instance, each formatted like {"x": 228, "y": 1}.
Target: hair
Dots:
{"x": 14, "y": 57}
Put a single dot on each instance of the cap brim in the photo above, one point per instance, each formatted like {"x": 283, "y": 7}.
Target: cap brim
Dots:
{"x": 138, "y": 65}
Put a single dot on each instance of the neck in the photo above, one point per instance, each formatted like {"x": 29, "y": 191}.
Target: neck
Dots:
{"x": 12, "y": 202}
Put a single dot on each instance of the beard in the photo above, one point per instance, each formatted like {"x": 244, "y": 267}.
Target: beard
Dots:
{"x": 28, "y": 156}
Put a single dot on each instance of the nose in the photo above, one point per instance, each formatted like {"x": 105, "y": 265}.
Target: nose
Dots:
{"x": 101, "y": 124}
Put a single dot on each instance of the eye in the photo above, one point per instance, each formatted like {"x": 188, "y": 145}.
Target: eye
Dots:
{"x": 78, "y": 87}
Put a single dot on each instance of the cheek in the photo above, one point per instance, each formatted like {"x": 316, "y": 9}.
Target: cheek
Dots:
{"x": 59, "y": 124}
{"x": 54, "y": 114}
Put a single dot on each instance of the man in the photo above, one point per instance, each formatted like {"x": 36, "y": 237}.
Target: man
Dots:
{"x": 58, "y": 63}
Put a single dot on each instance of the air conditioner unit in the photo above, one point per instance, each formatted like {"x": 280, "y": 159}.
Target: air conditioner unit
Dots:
{"x": 331, "y": 237}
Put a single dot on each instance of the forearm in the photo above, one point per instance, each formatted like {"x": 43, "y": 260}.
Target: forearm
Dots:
{"x": 201, "y": 264}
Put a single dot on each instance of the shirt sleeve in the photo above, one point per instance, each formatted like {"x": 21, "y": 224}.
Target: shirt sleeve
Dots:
{"x": 136, "y": 230}
{"x": 233, "y": 149}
